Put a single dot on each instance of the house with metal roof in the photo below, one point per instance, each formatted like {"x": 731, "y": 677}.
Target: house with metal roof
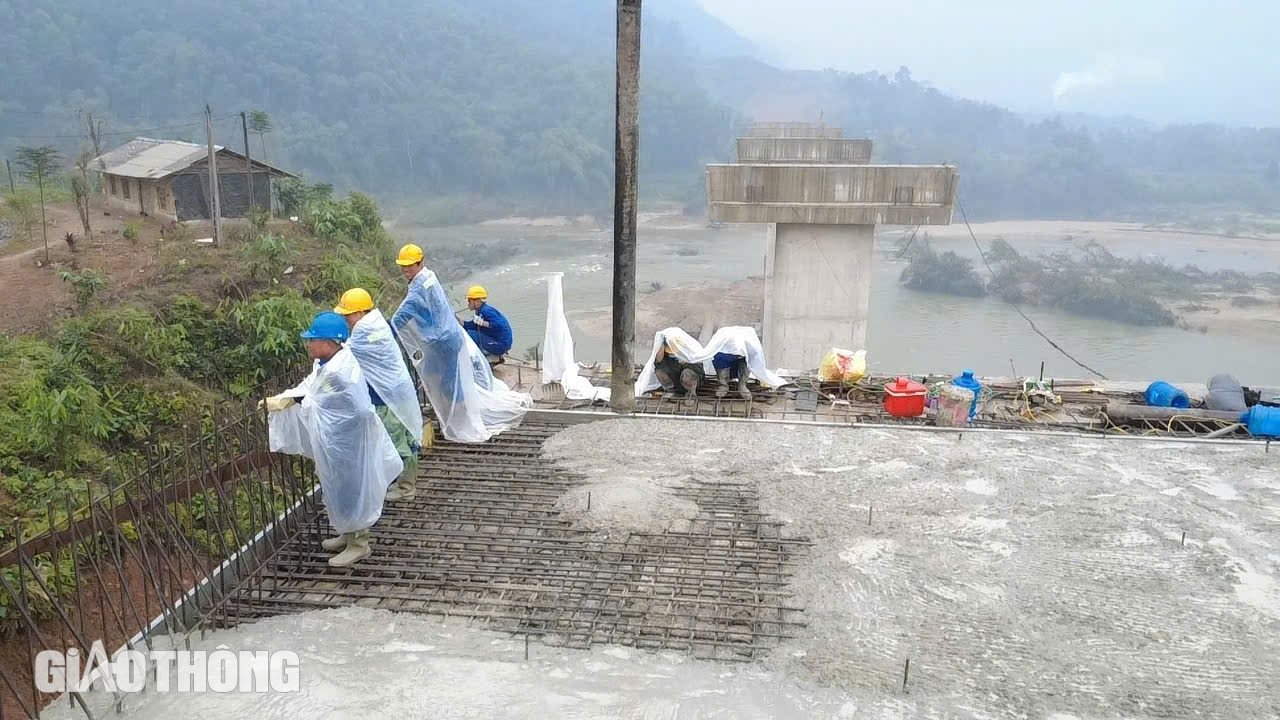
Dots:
{"x": 169, "y": 179}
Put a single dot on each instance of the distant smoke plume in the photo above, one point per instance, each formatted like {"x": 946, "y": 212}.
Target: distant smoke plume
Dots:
{"x": 1107, "y": 71}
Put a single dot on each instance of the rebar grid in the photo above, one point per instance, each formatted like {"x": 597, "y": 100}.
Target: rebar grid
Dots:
{"x": 482, "y": 540}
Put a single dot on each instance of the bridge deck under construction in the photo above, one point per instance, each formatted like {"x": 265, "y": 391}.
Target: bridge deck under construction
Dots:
{"x": 482, "y": 539}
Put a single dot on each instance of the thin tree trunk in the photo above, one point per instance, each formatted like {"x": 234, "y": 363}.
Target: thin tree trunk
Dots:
{"x": 263, "y": 138}
{"x": 44, "y": 226}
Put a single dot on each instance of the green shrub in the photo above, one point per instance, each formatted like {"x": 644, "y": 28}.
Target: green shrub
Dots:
{"x": 340, "y": 270}
{"x": 268, "y": 256}
{"x": 946, "y": 273}
{"x": 258, "y": 218}
{"x": 57, "y": 579}
{"x": 132, "y": 232}
{"x": 84, "y": 285}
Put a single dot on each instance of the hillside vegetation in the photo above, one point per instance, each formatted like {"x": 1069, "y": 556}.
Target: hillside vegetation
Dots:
{"x": 153, "y": 367}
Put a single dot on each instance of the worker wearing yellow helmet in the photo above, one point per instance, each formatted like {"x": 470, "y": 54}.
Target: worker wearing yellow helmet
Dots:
{"x": 391, "y": 389}
{"x": 489, "y": 328}
{"x": 410, "y": 261}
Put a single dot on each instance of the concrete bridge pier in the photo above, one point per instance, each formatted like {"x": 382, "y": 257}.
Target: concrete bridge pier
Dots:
{"x": 817, "y": 290}
{"x": 821, "y": 201}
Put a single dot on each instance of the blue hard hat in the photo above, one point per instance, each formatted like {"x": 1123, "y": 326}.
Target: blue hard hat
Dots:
{"x": 327, "y": 326}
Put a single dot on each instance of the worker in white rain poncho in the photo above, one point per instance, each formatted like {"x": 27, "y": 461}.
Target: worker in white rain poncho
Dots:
{"x": 390, "y": 388}
{"x": 471, "y": 403}
{"x": 736, "y": 352}
{"x": 671, "y": 362}
{"x": 329, "y": 418}
{"x": 678, "y": 358}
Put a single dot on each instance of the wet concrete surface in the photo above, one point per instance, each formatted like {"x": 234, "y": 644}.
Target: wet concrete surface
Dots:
{"x": 1023, "y": 576}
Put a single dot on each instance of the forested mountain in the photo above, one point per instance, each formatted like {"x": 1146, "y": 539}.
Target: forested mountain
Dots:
{"x": 400, "y": 98}
{"x": 1016, "y": 167}
{"x": 513, "y": 100}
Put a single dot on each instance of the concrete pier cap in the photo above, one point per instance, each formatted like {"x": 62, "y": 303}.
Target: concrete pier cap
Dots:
{"x": 821, "y": 200}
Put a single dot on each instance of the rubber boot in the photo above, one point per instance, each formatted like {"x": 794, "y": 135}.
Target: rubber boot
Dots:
{"x": 402, "y": 489}
{"x": 335, "y": 544}
{"x": 722, "y": 382}
{"x": 356, "y": 550}
{"x": 689, "y": 379}
{"x": 743, "y": 376}
{"x": 668, "y": 387}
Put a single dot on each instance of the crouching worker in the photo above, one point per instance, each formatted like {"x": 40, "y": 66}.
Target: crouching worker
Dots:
{"x": 736, "y": 352}
{"x": 729, "y": 366}
{"x": 489, "y": 328}
{"x": 390, "y": 388}
{"x": 329, "y": 419}
{"x": 672, "y": 363}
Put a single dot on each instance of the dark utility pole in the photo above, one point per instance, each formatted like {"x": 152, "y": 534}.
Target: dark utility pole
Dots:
{"x": 248, "y": 161}
{"x": 626, "y": 145}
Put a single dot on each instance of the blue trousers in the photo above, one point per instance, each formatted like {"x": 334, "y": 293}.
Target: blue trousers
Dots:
{"x": 487, "y": 344}
{"x": 725, "y": 360}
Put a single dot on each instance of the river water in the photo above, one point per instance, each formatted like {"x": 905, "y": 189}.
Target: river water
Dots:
{"x": 909, "y": 331}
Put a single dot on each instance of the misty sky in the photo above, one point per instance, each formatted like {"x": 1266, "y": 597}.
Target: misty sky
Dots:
{"x": 1161, "y": 60}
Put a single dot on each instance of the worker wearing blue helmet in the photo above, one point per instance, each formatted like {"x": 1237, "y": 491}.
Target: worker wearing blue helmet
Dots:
{"x": 330, "y": 419}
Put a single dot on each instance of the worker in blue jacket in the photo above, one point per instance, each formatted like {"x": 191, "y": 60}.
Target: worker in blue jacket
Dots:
{"x": 489, "y": 328}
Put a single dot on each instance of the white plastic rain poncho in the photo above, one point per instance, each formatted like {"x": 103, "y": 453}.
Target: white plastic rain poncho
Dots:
{"x": 740, "y": 341}
{"x": 677, "y": 341}
{"x": 558, "y": 365}
{"x": 382, "y": 363}
{"x": 335, "y": 425}
{"x": 743, "y": 342}
{"x": 472, "y": 404}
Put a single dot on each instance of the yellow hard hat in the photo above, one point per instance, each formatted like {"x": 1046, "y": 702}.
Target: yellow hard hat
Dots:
{"x": 353, "y": 301}
{"x": 475, "y": 292}
{"x": 409, "y": 255}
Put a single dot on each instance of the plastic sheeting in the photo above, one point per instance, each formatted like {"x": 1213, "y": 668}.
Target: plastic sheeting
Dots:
{"x": 685, "y": 348}
{"x": 335, "y": 425}
{"x": 558, "y": 365}
{"x": 741, "y": 341}
{"x": 471, "y": 403}
{"x": 382, "y": 364}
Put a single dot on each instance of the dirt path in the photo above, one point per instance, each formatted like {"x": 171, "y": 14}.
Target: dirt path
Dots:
{"x": 40, "y": 297}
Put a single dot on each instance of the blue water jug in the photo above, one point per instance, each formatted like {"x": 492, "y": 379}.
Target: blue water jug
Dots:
{"x": 969, "y": 382}
{"x": 1263, "y": 421}
{"x": 1162, "y": 394}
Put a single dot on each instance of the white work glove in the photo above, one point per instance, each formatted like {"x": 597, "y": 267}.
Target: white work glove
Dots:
{"x": 278, "y": 403}
{"x": 481, "y": 322}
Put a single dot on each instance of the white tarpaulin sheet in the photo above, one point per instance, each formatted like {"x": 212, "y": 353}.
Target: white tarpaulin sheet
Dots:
{"x": 335, "y": 425}
{"x": 471, "y": 403}
{"x": 679, "y": 342}
{"x": 743, "y": 342}
{"x": 558, "y": 365}
{"x": 382, "y": 363}
{"x": 740, "y": 341}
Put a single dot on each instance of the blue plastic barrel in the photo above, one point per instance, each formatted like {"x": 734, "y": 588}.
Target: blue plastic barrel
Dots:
{"x": 969, "y": 382}
{"x": 1162, "y": 394}
{"x": 1263, "y": 421}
